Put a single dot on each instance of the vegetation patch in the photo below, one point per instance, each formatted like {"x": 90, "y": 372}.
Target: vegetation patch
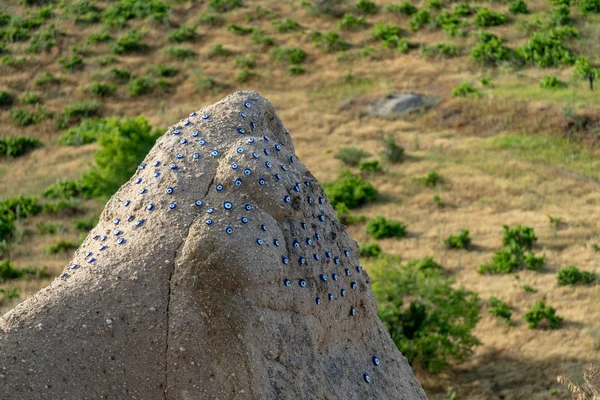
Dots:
{"x": 76, "y": 112}
{"x": 572, "y": 276}
{"x": 381, "y": 228}
{"x": 351, "y": 156}
{"x": 370, "y": 250}
{"x": 517, "y": 253}
{"x": 350, "y": 190}
{"x": 17, "y": 146}
{"x": 500, "y": 309}
{"x": 460, "y": 241}
{"x": 541, "y": 313}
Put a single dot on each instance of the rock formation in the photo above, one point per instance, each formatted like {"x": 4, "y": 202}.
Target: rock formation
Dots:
{"x": 219, "y": 271}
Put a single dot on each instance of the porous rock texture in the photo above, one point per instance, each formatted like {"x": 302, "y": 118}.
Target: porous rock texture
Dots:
{"x": 219, "y": 271}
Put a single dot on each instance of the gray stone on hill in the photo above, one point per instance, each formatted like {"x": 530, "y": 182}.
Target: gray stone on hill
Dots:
{"x": 219, "y": 271}
{"x": 398, "y": 104}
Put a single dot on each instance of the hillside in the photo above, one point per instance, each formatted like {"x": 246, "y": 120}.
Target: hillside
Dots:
{"x": 507, "y": 150}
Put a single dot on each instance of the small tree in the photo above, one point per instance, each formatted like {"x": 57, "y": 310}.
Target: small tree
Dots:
{"x": 584, "y": 69}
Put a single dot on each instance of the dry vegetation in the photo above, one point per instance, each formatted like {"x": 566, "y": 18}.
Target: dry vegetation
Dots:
{"x": 514, "y": 155}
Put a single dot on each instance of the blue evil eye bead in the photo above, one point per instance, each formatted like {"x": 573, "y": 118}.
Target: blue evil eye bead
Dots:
{"x": 244, "y": 220}
{"x": 142, "y": 166}
{"x": 276, "y": 242}
{"x": 308, "y": 241}
{"x": 227, "y": 205}
{"x": 367, "y": 378}
{"x": 317, "y": 236}
{"x": 103, "y": 238}
{"x": 277, "y": 147}
{"x": 116, "y": 221}
{"x": 243, "y": 114}
{"x": 89, "y": 254}
{"x": 130, "y": 218}
{"x": 96, "y": 237}
{"x": 353, "y": 285}
{"x": 255, "y": 155}
{"x": 336, "y": 260}
{"x": 297, "y": 187}
{"x": 144, "y": 190}
{"x": 72, "y": 267}
{"x": 91, "y": 260}
{"x": 285, "y": 260}
{"x": 195, "y": 134}
{"x": 261, "y": 181}
{"x": 186, "y": 122}
{"x": 343, "y": 292}
{"x": 316, "y": 257}
{"x": 139, "y": 222}
{"x": 201, "y": 142}
{"x": 321, "y": 201}
{"x": 376, "y": 360}
{"x": 219, "y": 188}
{"x": 251, "y": 140}
{"x": 330, "y": 296}
{"x": 353, "y": 313}
{"x": 247, "y": 105}
{"x": 266, "y": 138}
{"x": 118, "y": 233}
{"x": 321, "y": 218}
{"x": 334, "y": 276}
{"x": 205, "y": 116}
{"x": 347, "y": 271}
{"x": 193, "y": 114}
{"x": 318, "y": 300}
{"x": 303, "y": 224}
{"x": 198, "y": 203}
{"x": 196, "y": 156}
{"x": 234, "y": 166}
{"x": 172, "y": 206}
{"x": 214, "y": 153}
{"x": 302, "y": 283}
{"x": 287, "y": 282}
{"x": 138, "y": 181}
{"x": 150, "y": 207}
{"x": 346, "y": 253}
{"x": 302, "y": 260}
{"x": 210, "y": 210}
{"x": 283, "y": 168}
{"x": 208, "y": 222}
{"x": 277, "y": 176}
{"x": 241, "y": 131}
{"x": 296, "y": 244}
{"x": 248, "y": 207}
{"x": 259, "y": 241}
{"x": 229, "y": 230}
{"x": 240, "y": 150}
{"x": 174, "y": 166}
{"x": 309, "y": 200}
{"x": 169, "y": 190}
{"x": 238, "y": 182}
{"x": 263, "y": 227}
{"x": 64, "y": 275}
{"x": 127, "y": 203}
{"x": 121, "y": 241}
{"x": 328, "y": 254}
{"x": 291, "y": 159}
{"x": 183, "y": 141}
{"x": 157, "y": 174}
{"x": 266, "y": 151}
{"x": 176, "y": 132}
{"x": 268, "y": 164}
{"x": 157, "y": 163}
{"x": 179, "y": 156}
{"x": 247, "y": 172}
{"x": 358, "y": 268}
{"x": 323, "y": 277}
{"x": 287, "y": 199}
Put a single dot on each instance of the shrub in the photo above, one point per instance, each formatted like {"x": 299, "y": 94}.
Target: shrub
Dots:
{"x": 46, "y": 79}
{"x": 350, "y": 190}
{"x": 438, "y": 201}
{"x": 560, "y": 16}
{"x": 118, "y": 13}
{"x": 540, "y": 312}
{"x": 489, "y": 49}
{"x": 366, "y": 6}
{"x": 551, "y": 82}
{"x": 465, "y": 89}
{"x": 180, "y": 52}
{"x": 370, "y": 250}
{"x": 75, "y": 112}
{"x": 141, "y": 85}
{"x": 209, "y": 83}
{"x": 293, "y": 55}
{"x": 61, "y": 206}
{"x": 462, "y": 9}
{"x": 183, "y": 34}
{"x": 500, "y": 309}
{"x": 211, "y": 19}
{"x": 450, "y": 24}
{"x": 523, "y": 236}
{"x": 59, "y": 247}
{"x": 351, "y": 156}
{"x": 64, "y": 189}
{"x": 370, "y": 166}
{"x": 86, "y": 224}
{"x": 19, "y": 208}
{"x": 49, "y": 228}
{"x": 431, "y": 179}
{"x": 419, "y": 19}
{"x": 545, "y": 51}
{"x": 102, "y": 89}
{"x": 296, "y": 69}
{"x": 392, "y": 152}
{"x": 518, "y": 7}
{"x": 285, "y": 25}
{"x": 225, "y": 5}
{"x": 441, "y": 49}
{"x": 388, "y": 33}
{"x": 86, "y": 132}
{"x": 6, "y": 99}
{"x": 124, "y": 146}
{"x": 245, "y": 75}
{"x": 131, "y": 42}
{"x": 26, "y": 117}
{"x": 352, "y": 22}
{"x": 44, "y": 40}
{"x": 245, "y": 61}
{"x": 84, "y": 11}
{"x": 380, "y": 228}
{"x": 17, "y": 146}
{"x": 261, "y": 38}
{"x": 584, "y": 69}
{"x": 517, "y": 241}
{"x": 405, "y": 8}
{"x": 71, "y": 64}
{"x": 436, "y": 325}
{"x": 240, "y": 30}
{"x": 330, "y": 42}
{"x": 8, "y": 272}
{"x": 571, "y": 275}
{"x": 166, "y": 71}
{"x": 119, "y": 74}
{"x": 589, "y": 6}
{"x": 485, "y": 17}
{"x": 460, "y": 241}
{"x": 219, "y": 51}
{"x": 30, "y": 98}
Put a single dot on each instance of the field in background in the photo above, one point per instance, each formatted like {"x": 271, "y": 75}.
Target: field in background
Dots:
{"x": 514, "y": 155}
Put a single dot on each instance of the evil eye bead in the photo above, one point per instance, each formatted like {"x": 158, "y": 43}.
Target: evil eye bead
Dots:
{"x": 234, "y": 166}
{"x": 157, "y": 174}
{"x": 297, "y": 187}
{"x": 179, "y": 156}
{"x": 172, "y": 206}
{"x": 353, "y": 285}
{"x": 309, "y": 200}
{"x": 318, "y": 300}
{"x": 229, "y": 230}
{"x": 263, "y": 227}
{"x": 268, "y": 164}
{"x": 144, "y": 190}
{"x": 287, "y": 199}
{"x": 302, "y": 260}
{"x": 277, "y": 147}
{"x": 244, "y": 220}
{"x": 139, "y": 222}
{"x": 367, "y": 378}
{"x": 266, "y": 138}
{"x": 323, "y": 277}
{"x": 247, "y": 172}
{"x": 91, "y": 260}
{"x": 346, "y": 253}
{"x": 208, "y": 222}
{"x": 72, "y": 267}
{"x": 259, "y": 241}
{"x": 169, "y": 190}
{"x": 296, "y": 244}
{"x": 247, "y": 105}
{"x": 376, "y": 360}
{"x": 303, "y": 225}
{"x": 183, "y": 141}
{"x": 196, "y": 156}
{"x": 347, "y": 272}
{"x": 277, "y": 176}
{"x": 127, "y": 203}
{"x": 176, "y": 132}
{"x": 334, "y": 276}
{"x": 138, "y": 181}
{"x": 157, "y": 163}
{"x": 142, "y": 166}
{"x": 150, "y": 207}
{"x": 266, "y": 151}
{"x": 193, "y": 114}
{"x": 261, "y": 181}
{"x": 205, "y": 116}
{"x": 227, "y": 205}
{"x": 201, "y": 142}
{"x": 96, "y": 237}
{"x": 328, "y": 254}
{"x": 343, "y": 292}
{"x": 174, "y": 166}
{"x": 321, "y": 218}
{"x": 214, "y": 153}
{"x": 241, "y": 131}
{"x": 89, "y": 254}
{"x": 255, "y": 155}
{"x": 317, "y": 236}
{"x": 321, "y": 201}
{"x": 285, "y": 260}
{"x": 316, "y": 257}
{"x": 103, "y": 238}
{"x": 353, "y": 313}
{"x": 116, "y": 221}
{"x": 358, "y": 268}
{"x": 336, "y": 260}
{"x": 238, "y": 182}
{"x": 302, "y": 283}
{"x": 276, "y": 242}
{"x": 243, "y": 114}
{"x": 330, "y": 296}
{"x": 186, "y": 122}
{"x": 251, "y": 140}
{"x": 210, "y": 210}
{"x": 283, "y": 168}
{"x": 219, "y": 187}
{"x": 64, "y": 275}
{"x": 240, "y": 150}
{"x": 195, "y": 134}
{"x": 121, "y": 241}
{"x": 309, "y": 241}
{"x": 198, "y": 203}
{"x": 118, "y": 233}
{"x": 291, "y": 159}
{"x": 248, "y": 207}
{"x": 287, "y": 282}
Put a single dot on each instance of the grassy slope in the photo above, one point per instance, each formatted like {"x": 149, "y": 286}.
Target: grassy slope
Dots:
{"x": 492, "y": 173}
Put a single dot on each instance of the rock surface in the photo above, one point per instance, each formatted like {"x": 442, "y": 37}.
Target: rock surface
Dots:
{"x": 398, "y": 104}
{"x": 219, "y": 271}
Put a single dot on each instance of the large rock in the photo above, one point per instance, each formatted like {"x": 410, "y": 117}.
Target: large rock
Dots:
{"x": 219, "y": 271}
{"x": 399, "y": 104}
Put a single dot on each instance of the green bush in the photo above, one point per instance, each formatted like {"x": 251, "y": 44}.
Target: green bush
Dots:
{"x": 351, "y": 190}
{"x": 516, "y": 255}
{"x": 589, "y": 6}
{"x": 225, "y": 5}
{"x": 296, "y": 69}
{"x": 86, "y": 224}
{"x": 9, "y": 272}
{"x": 44, "y": 40}
{"x": 370, "y": 250}
{"x": 245, "y": 75}
{"x": 209, "y": 83}
{"x": 180, "y": 52}
{"x": 183, "y": 34}
{"x": 388, "y": 33}
{"x": 500, "y": 309}
{"x": 239, "y": 29}
{"x": 489, "y": 49}
{"x": 7, "y": 229}
{"x": 352, "y": 22}
{"x": 293, "y": 55}
{"x": 60, "y": 246}
{"x": 552, "y": 82}
{"x": 330, "y": 42}
{"x": 30, "y": 98}
{"x": 49, "y": 227}
{"x": 436, "y": 327}
{"x": 369, "y": 166}
{"x": 441, "y": 49}
{"x": 86, "y": 132}
{"x": 584, "y": 69}
{"x": 165, "y": 71}
{"x": 4, "y": 19}
{"x": 545, "y": 51}
{"x": 559, "y": 16}
{"x": 261, "y": 38}
{"x": 540, "y": 312}
{"x": 121, "y": 11}
{"x": 285, "y": 25}
{"x": 76, "y": 112}
{"x": 450, "y": 23}
{"x": 211, "y": 19}
{"x": 351, "y": 156}
{"x": 245, "y": 61}
{"x": 62, "y": 206}
{"x": 17, "y": 146}
{"x": 465, "y": 89}
{"x": 102, "y": 89}
{"x": 119, "y": 74}
{"x": 485, "y": 17}
{"x": 124, "y": 146}
{"x": 64, "y": 189}
{"x": 392, "y": 152}
{"x": 71, "y": 64}
{"x": 518, "y": 7}
{"x": 84, "y": 11}
{"x": 6, "y": 99}
{"x": 405, "y": 8}
{"x": 129, "y": 43}
{"x": 571, "y": 275}
{"x": 523, "y": 236}
{"x": 142, "y": 85}
{"x": 46, "y": 79}
{"x": 219, "y": 51}
{"x": 463, "y": 9}
{"x": 366, "y": 6}
{"x": 460, "y": 241}
{"x": 19, "y": 208}
{"x": 381, "y": 228}
{"x": 431, "y": 179}
{"x": 419, "y": 19}
{"x": 26, "y": 117}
